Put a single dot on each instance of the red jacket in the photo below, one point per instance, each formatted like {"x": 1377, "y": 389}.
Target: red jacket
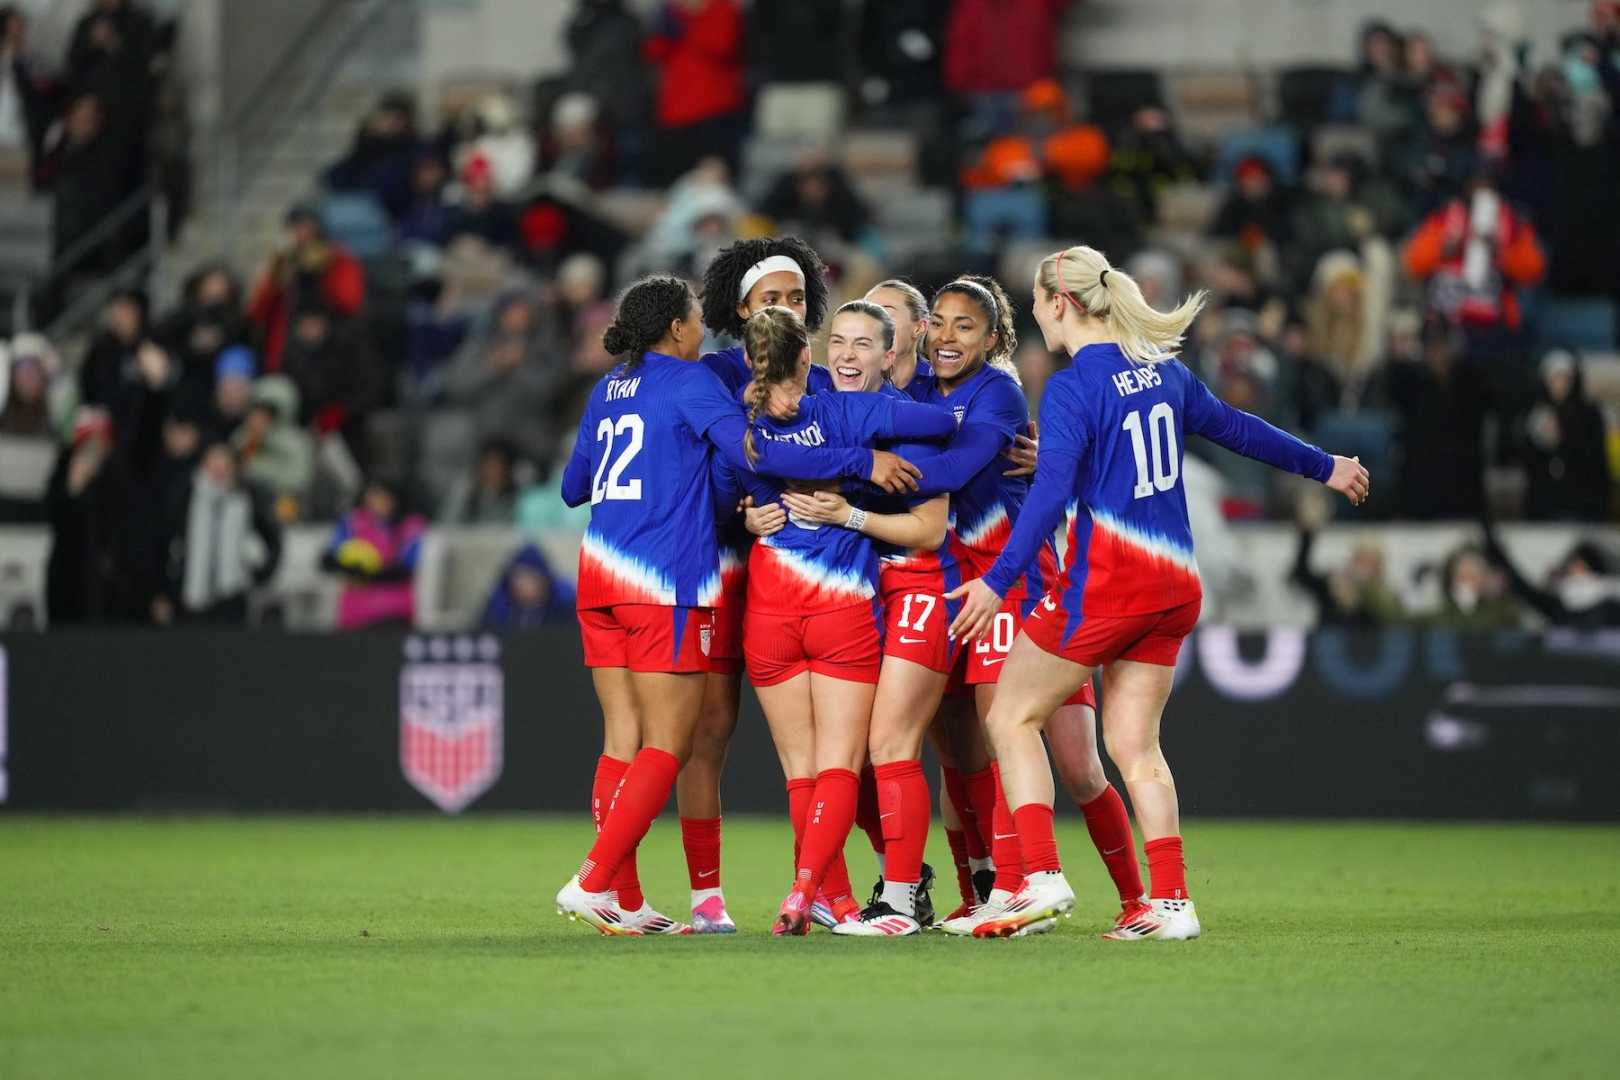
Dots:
{"x": 702, "y": 62}
{"x": 343, "y": 291}
{"x": 1000, "y": 45}
{"x": 1436, "y": 253}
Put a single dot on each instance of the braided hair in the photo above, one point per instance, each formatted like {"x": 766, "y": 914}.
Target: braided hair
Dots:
{"x": 774, "y": 339}
{"x": 991, "y": 298}
{"x": 643, "y": 316}
{"x": 723, "y": 280}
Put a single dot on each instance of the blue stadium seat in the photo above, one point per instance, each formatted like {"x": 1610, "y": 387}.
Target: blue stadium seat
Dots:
{"x": 1370, "y": 435}
{"x": 1277, "y": 144}
{"x": 358, "y": 222}
{"x": 1580, "y": 322}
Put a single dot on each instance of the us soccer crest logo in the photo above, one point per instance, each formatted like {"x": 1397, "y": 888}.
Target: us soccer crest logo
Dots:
{"x": 452, "y": 704}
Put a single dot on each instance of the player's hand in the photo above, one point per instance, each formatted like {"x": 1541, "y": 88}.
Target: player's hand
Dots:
{"x": 1022, "y": 452}
{"x": 979, "y": 607}
{"x": 817, "y": 507}
{"x": 763, "y": 520}
{"x": 1350, "y": 479}
{"x": 893, "y": 473}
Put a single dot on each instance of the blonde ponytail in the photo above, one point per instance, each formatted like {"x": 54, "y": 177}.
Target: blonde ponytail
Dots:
{"x": 1144, "y": 334}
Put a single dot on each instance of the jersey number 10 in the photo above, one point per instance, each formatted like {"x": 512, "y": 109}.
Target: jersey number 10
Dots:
{"x": 617, "y": 487}
{"x": 1165, "y": 471}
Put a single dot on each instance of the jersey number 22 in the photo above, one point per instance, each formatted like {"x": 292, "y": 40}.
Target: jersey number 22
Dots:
{"x": 617, "y": 487}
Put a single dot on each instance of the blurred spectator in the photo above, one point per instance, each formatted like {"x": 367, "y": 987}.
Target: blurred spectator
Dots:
{"x": 901, "y": 42}
{"x": 481, "y": 212}
{"x": 578, "y": 143}
{"x": 528, "y": 594}
{"x": 426, "y": 216}
{"x": 1343, "y": 335}
{"x": 1381, "y": 98}
{"x": 28, "y": 442}
{"x": 816, "y": 198}
{"x": 796, "y": 43}
{"x": 1474, "y": 595}
{"x": 1256, "y": 213}
{"x": 605, "y": 63}
{"x": 1075, "y": 158}
{"x": 339, "y": 376}
{"x": 1356, "y": 594}
{"x": 436, "y": 323}
{"x": 307, "y": 270}
{"x": 220, "y": 544}
{"x": 83, "y": 576}
{"x": 122, "y": 362}
{"x": 697, "y": 45}
{"x": 208, "y": 320}
{"x": 384, "y": 151}
{"x": 1147, "y": 158}
{"x": 1503, "y": 45}
{"x": 502, "y": 378}
{"x": 233, "y": 386}
{"x": 26, "y": 97}
{"x": 1583, "y": 590}
{"x": 1442, "y": 408}
{"x": 1345, "y": 207}
{"x": 1439, "y": 154}
{"x": 993, "y": 50}
{"x": 487, "y": 495}
{"x": 90, "y": 171}
{"x": 700, "y": 217}
{"x": 1003, "y": 200}
{"x": 25, "y": 409}
{"x": 111, "y": 56}
{"x": 500, "y": 140}
{"x": 1564, "y": 436}
{"x": 275, "y": 453}
{"x": 375, "y": 548}
{"x": 1474, "y": 253}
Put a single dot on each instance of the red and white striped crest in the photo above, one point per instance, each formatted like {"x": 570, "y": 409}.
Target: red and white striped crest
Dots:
{"x": 452, "y": 700}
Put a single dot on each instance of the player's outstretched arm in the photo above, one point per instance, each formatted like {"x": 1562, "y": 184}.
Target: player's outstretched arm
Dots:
{"x": 921, "y": 527}
{"x": 1350, "y": 478}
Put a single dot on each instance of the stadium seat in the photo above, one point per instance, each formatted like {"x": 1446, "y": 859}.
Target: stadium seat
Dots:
{"x": 1276, "y": 144}
{"x": 1113, "y": 95}
{"x": 358, "y": 222}
{"x": 1370, "y": 435}
{"x": 1209, "y": 106}
{"x": 800, "y": 111}
{"x": 1330, "y": 140}
{"x": 1578, "y": 322}
{"x": 1307, "y": 96}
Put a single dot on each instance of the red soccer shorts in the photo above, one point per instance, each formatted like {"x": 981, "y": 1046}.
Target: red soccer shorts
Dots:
{"x": 843, "y": 644}
{"x": 647, "y": 637}
{"x": 725, "y": 645}
{"x": 990, "y": 652}
{"x": 916, "y": 628}
{"x": 1152, "y": 638}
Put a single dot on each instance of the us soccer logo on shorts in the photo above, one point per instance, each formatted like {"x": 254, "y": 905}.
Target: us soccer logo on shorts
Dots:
{"x": 452, "y": 703}
{"x": 705, "y": 635}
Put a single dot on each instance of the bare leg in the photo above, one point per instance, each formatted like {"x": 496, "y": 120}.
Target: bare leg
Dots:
{"x": 1134, "y": 695}
{"x": 697, "y": 793}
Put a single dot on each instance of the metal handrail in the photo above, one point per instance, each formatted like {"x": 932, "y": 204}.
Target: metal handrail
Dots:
{"x": 82, "y": 308}
{"x": 109, "y": 224}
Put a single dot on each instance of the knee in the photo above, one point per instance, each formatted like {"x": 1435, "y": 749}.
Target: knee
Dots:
{"x": 1128, "y": 750}
{"x": 1086, "y": 784}
{"x": 1007, "y": 721}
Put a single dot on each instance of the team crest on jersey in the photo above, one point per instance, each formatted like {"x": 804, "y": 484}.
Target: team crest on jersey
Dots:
{"x": 452, "y": 703}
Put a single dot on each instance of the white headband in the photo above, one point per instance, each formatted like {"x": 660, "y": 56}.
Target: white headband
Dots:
{"x": 773, "y": 265}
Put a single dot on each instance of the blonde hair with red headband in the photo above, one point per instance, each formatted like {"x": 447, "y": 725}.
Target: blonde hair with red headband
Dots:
{"x": 1083, "y": 277}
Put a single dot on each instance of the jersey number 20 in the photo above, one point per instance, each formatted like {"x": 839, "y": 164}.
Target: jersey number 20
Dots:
{"x": 1166, "y": 459}
{"x": 616, "y": 487}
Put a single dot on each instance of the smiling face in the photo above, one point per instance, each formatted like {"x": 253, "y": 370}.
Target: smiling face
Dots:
{"x": 780, "y": 289}
{"x": 959, "y": 336}
{"x": 855, "y": 352}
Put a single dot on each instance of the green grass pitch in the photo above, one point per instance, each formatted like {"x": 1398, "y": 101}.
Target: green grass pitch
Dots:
{"x": 427, "y": 947}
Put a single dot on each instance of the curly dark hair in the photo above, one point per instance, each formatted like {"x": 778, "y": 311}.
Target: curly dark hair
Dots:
{"x": 643, "y": 316}
{"x": 992, "y": 300}
{"x": 723, "y": 279}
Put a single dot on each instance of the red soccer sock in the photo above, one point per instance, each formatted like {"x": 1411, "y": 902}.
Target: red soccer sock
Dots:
{"x": 1166, "y": 868}
{"x": 835, "y": 882}
{"x": 956, "y": 789}
{"x": 1036, "y": 840}
{"x": 981, "y": 791}
{"x": 866, "y": 810}
{"x": 800, "y": 791}
{"x": 627, "y": 883}
{"x": 1110, "y": 828}
{"x": 1004, "y": 847}
{"x": 832, "y": 815}
{"x": 964, "y": 872}
{"x": 701, "y": 839}
{"x": 903, "y": 798}
{"x": 642, "y": 795}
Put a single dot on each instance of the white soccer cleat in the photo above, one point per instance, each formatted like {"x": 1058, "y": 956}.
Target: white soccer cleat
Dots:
{"x": 645, "y": 920}
{"x": 1162, "y": 920}
{"x": 595, "y": 909}
{"x": 964, "y": 925}
{"x": 1044, "y": 897}
{"x": 879, "y": 920}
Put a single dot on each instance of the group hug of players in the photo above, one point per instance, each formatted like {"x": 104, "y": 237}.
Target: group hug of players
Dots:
{"x": 871, "y": 539}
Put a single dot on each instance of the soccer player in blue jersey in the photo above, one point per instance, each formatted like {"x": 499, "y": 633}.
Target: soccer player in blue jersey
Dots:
{"x": 743, "y": 278}
{"x": 812, "y": 633}
{"x": 1112, "y": 429}
{"x": 649, "y": 572}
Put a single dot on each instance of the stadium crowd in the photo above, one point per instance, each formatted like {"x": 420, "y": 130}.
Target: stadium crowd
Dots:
{"x": 1392, "y": 250}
